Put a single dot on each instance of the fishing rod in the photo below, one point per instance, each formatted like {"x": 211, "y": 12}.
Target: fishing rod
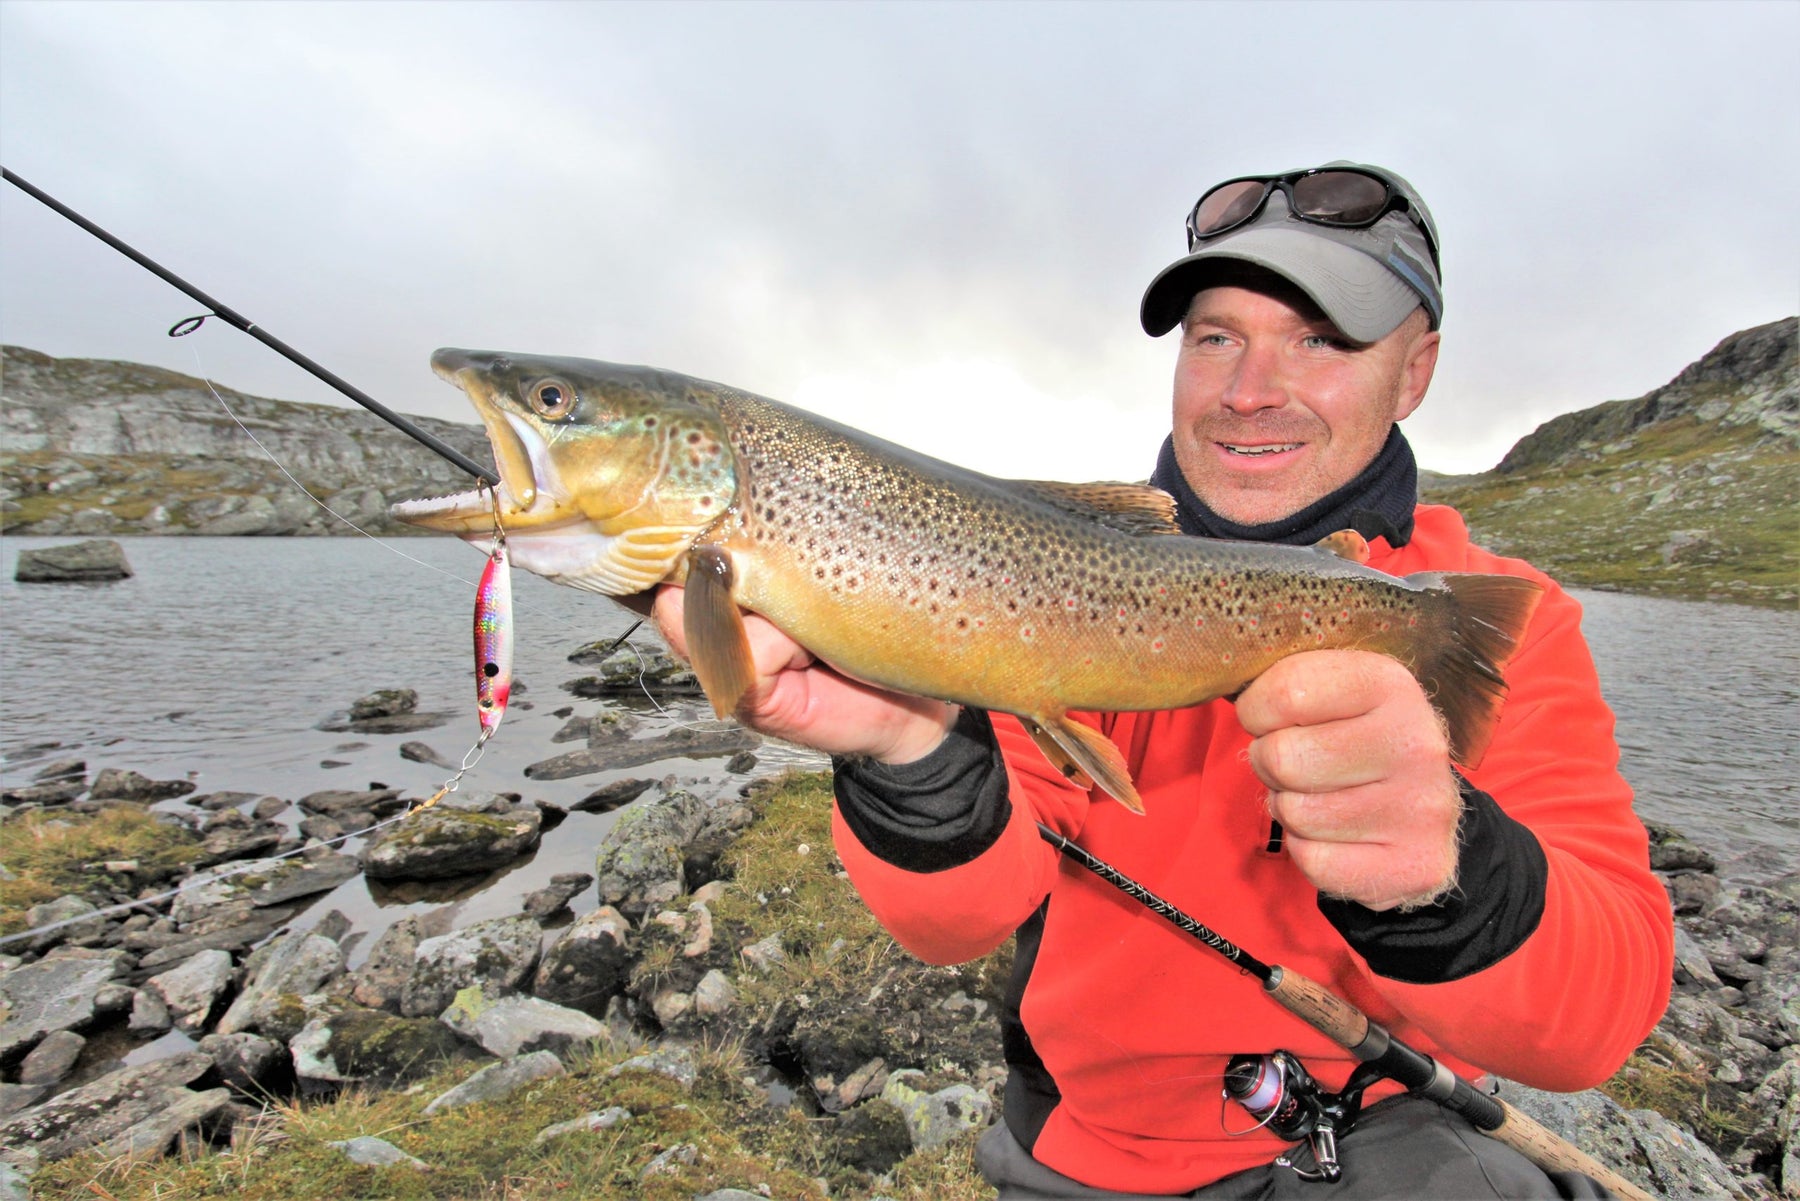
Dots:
{"x": 225, "y": 313}
{"x": 1369, "y": 1041}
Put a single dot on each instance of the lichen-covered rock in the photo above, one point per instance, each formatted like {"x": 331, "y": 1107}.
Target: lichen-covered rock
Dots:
{"x": 52, "y": 994}
{"x": 640, "y": 859}
{"x": 295, "y": 964}
{"x": 589, "y": 964}
{"x": 516, "y": 1025}
{"x": 117, "y": 784}
{"x": 674, "y": 1061}
{"x": 73, "y": 909}
{"x": 497, "y": 955}
{"x": 382, "y": 978}
{"x": 132, "y": 1112}
{"x": 371, "y": 1152}
{"x": 369, "y": 1046}
{"x": 442, "y": 842}
{"x": 246, "y": 1063}
{"x": 498, "y": 1080}
{"x": 934, "y": 1118}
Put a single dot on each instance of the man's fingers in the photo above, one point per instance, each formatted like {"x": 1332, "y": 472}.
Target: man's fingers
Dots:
{"x": 1317, "y": 686}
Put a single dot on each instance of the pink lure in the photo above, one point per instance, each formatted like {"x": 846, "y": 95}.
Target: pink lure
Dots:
{"x": 493, "y": 641}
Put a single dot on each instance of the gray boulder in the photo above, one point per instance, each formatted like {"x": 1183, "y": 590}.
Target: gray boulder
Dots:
{"x": 444, "y": 842}
{"x": 589, "y": 965}
{"x": 510, "y": 1026}
{"x": 190, "y": 991}
{"x": 96, "y": 560}
{"x": 372, "y": 1152}
{"x": 52, "y": 994}
{"x": 133, "y": 1112}
{"x": 51, "y": 1059}
{"x": 71, "y": 909}
{"x": 672, "y": 1061}
{"x": 382, "y": 978}
{"x": 616, "y": 755}
{"x": 1640, "y": 1144}
{"x": 293, "y": 964}
{"x": 117, "y": 784}
{"x": 498, "y": 1080}
{"x": 498, "y": 955}
{"x": 246, "y": 1063}
{"x": 934, "y": 1118}
{"x": 555, "y": 896}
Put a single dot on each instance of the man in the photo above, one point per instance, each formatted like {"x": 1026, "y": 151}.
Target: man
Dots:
{"x": 1502, "y": 918}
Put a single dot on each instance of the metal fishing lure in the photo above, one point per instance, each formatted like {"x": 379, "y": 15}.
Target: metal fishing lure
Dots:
{"x": 493, "y": 638}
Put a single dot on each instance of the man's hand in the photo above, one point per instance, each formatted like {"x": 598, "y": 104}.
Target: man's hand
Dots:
{"x": 1359, "y": 775}
{"x": 797, "y": 698}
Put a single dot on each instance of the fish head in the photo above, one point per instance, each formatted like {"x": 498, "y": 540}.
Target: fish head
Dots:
{"x": 607, "y": 472}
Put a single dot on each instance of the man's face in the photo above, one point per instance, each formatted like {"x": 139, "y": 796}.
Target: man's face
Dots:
{"x": 1275, "y": 409}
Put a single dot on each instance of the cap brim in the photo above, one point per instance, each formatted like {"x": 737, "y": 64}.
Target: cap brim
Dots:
{"x": 1360, "y": 295}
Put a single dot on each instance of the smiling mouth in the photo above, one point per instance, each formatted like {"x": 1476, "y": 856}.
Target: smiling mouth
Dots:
{"x": 1238, "y": 448}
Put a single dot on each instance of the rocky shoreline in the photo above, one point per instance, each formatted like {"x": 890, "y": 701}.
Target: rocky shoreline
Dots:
{"x": 675, "y": 956}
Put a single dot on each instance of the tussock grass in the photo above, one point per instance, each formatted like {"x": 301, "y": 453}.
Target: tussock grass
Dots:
{"x": 49, "y": 853}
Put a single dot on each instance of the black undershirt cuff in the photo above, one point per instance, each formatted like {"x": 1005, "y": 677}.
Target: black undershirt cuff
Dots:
{"x": 933, "y": 814}
{"x": 1495, "y": 907}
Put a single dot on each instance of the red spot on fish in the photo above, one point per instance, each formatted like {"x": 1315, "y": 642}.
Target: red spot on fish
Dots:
{"x": 1157, "y": 645}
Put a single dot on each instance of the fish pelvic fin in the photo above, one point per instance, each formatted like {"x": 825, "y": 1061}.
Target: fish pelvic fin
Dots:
{"x": 1090, "y": 753}
{"x": 717, "y": 645}
{"x": 1059, "y": 758}
{"x": 1483, "y": 621}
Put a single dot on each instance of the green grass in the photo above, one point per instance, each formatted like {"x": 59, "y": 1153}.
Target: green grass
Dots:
{"x": 53, "y": 853}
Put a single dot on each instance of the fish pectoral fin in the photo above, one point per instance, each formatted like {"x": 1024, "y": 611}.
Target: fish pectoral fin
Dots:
{"x": 1346, "y": 544}
{"x": 1094, "y": 754}
{"x": 717, "y": 645}
{"x": 645, "y": 556}
{"x": 1128, "y": 508}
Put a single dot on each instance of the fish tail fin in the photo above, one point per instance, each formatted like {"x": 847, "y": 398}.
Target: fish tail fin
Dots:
{"x": 1483, "y": 621}
{"x": 1089, "y": 753}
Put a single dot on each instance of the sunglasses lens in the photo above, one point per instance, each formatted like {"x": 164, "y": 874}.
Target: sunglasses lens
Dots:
{"x": 1340, "y": 197}
{"x": 1226, "y": 205}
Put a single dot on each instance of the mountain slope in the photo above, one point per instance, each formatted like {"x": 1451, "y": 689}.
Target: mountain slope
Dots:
{"x": 1691, "y": 490}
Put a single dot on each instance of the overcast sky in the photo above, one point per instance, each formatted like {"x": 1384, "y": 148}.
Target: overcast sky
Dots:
{"x": 931, "y": 220}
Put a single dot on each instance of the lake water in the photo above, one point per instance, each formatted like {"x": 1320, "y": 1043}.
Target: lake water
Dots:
{"x": 219, "y": 657}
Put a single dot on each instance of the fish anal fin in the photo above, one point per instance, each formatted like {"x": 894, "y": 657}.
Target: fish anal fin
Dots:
{"x": 1095, "y": 755}
{"x": 1059, "y": 758}
{"x": 1128, "y": 508}
{"x": 1346, "y": 544}
{"x": 714, "y": 627}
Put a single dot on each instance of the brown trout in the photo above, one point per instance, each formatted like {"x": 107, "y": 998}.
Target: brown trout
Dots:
{"x": 1027, "y": 597}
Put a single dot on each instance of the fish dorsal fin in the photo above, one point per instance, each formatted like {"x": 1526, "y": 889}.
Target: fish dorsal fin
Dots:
{"x": 1128, "y": 508}
{"x": 1346, "y": 544}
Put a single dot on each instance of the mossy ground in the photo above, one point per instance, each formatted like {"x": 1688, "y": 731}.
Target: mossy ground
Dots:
{"x": 53, "y": 853}
{"x": 833, "y": 947}
{"x": 1605, "y": 517}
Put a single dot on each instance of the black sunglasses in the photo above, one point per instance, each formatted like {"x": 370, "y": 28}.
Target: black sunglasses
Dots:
{"x": 1340, "y": 197}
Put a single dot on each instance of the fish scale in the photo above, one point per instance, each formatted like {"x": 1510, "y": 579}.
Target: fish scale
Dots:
{"x": 1029, "y": 597}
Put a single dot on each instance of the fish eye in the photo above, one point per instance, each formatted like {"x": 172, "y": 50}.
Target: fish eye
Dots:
{"x": 550, "y": 398}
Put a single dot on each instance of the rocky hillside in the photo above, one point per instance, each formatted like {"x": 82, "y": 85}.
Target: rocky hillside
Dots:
{"x": 1692, "y": 490}
{"x": 91, "y": 446}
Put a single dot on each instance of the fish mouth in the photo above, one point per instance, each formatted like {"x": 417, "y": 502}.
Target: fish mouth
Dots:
{"x": 528, "y": 495}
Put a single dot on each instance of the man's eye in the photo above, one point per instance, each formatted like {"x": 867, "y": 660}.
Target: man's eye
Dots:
{"x": 1325, "y": 342}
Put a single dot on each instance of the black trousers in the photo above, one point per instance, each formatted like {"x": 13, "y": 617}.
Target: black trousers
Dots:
{"x": 1400, "y": 1147}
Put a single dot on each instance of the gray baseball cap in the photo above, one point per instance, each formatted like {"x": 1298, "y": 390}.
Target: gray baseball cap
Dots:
{"x": 1366, "y": 280}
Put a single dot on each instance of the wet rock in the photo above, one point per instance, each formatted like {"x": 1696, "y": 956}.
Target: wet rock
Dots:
{"x": 190, "y": 991}
{"x": 556, "y": 895}
{"x": 384, "y": 702}
{"x": 497, "y": 955}
{"x": 640, "y": 860}
{"x": 332, "y": 802}
{"x": 51, "y": 1059}
{"x": 60, "y": 771}
{"x": 443, "y": 842}
{"x": 934, "y": 1118}
{"x": 132, "y": 1112}
{"x": 589, "y": 964}
{"x": 368, "y": 1046}
{"x": 419, "y": 752}
{"x": 96, "y": 560}
{"x": 674, "y": 1061}
{"x": 741, "y": 763}
{"x": 587, "y": 1123}
{"x": 54, "y": 792}
{"x": 632, "y": 668}
{"x": 226, "y": 839}
{"x": 381, "y": 979}
{"x": 247, "y": 1063}
{"x": 371, "y": 1152}
{"x": 149, "y": 1015}
{"x": 612, "y": 796}
{"x": 224, "y": 930}
{"x": 681, "y": 743}
{"x": 17, "y": 1098}
{"x": 50, "y": 995}
{"x": 499, "y": 1080}
{"x": 293, "y": 964}
{"x": 515, "y": 1025}
{"x": 116, "y": 784}
{"x": 607, "y": 724}
{"x": 215, "y": 801}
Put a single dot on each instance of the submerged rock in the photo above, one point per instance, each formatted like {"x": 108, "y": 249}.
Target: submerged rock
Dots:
{"x": 96, "y": 560}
